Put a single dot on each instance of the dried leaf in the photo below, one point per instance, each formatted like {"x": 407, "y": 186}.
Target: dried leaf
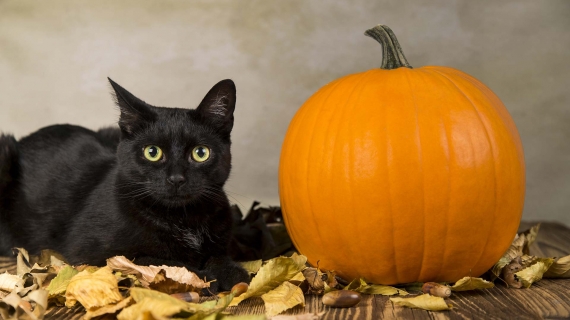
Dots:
{"x": 383, "y": 290}
{"x": 271, "y": 275}
{"x": 171, "y": 279}
{"x": 93, "y": 290}
{"x": 356, "y": 285}
{"x": 530, "y": 236}
{"x": 282, "y": 298}
{"x": 252, "y": 266}
{"x": 33, "y": 306}
{"x": 151, "y": 304}
{"x": 534, "y": 272}
{"x": 509, "y": 273}
{"x": 51, "y": 258}
{"x": 515, "y": 250}
{"x": 154, "y": 305}
{"x": 108, "y": 309}
{"x": 8, "y": 282}
{"x": 58, "y": 285}
{"x": 412, "y": 286}
{"x": 299, "y": 277}
{"x": 40, "y": 298}
{"x": 424, "y": 301}
{"x": 165, "y": 284}
{"x": 470, "y": 283}
{"x": 559, "y": 269}
{"x": 360, "y": 285}
{"x": 314, "y": 278}
{"x": 331, "y": 279}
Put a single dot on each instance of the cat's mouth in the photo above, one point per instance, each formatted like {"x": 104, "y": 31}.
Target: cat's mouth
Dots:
{"x": 177, "y": 200}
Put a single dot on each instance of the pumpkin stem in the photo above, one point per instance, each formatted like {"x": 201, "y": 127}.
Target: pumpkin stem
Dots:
{"x": 392, "y": 54}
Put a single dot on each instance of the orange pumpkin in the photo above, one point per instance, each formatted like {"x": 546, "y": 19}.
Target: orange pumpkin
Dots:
{"x": 401, "y": 175}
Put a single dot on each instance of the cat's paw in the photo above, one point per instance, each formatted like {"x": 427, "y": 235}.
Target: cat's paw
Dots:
{"x": 230, "y": 276}
{"x": 227, "y": 273}
{"x": 206, "y": 275}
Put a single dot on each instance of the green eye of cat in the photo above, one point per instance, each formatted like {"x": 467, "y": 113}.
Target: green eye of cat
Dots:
{"x": 152, "y": 153}
{"x": 200, "y": 153}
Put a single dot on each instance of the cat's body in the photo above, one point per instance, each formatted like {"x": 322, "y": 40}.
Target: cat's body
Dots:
{"x": 92, "y": 195}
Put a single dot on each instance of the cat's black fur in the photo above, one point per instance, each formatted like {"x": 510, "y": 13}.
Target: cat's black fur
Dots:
{"x": 92, "y": 195}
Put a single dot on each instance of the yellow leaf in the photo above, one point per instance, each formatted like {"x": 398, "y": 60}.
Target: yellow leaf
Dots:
{"x": 559, "y": 269}
{"x": 93, "y": 290}
{"x": 151, "y": 304}
{"x": 360, "y": 285}
{"x": 251, "y": 266}
{"x": 424, "y": 301}
{"x": 383, "y": 290}
{"x": 534, "y": 272}
{"x": 271, "y": 275}
{"x": 58, "y": 285}
{"x": 299, "y": 277}
{"x": 282, "y": 298}
{"x": 470, "y": 283}
{"x": 149, "y": 308}
{"x": 108, "y": 309}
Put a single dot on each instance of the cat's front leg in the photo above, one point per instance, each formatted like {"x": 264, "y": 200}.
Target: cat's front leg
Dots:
{"x": 226, "y": 272}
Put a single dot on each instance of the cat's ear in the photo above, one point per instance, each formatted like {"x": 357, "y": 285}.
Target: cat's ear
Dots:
{"x": 135, "y": 113}
{"x": 218, "y": 105}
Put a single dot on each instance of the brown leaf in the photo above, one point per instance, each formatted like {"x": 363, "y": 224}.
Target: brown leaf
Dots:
{"x": 331, "y": 279}
{"x": 509, "y": 272}
{"x": 515, "y": 250}
{"x": 314, "y": 278}
{"x": 530, "y": 236}
{"x": 170, "y": 279}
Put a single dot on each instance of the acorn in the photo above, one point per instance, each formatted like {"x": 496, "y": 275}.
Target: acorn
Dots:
{"x": 341, "y": 298}
{"x": 187, "y": 296}
{"x": 239, "y": 289}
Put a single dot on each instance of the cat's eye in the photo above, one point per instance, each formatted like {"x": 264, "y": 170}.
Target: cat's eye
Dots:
{"x": 200, "y": 153}
{"x": 152, "y": 153}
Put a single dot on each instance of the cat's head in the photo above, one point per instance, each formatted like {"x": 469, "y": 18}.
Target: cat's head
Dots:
{"x": 175, "y": 156}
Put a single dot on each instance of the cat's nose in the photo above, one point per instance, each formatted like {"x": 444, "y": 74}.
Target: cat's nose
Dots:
{"x": 176, "y": 180}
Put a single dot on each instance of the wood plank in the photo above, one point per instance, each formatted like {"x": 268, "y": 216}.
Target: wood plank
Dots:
{"x": 548, "y": 298}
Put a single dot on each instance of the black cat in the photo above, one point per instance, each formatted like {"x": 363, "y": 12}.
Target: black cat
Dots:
{"x": 151, "y": 190}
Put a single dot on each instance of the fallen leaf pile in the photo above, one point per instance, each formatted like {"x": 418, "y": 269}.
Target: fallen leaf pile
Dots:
{"x": 131, "y": 291}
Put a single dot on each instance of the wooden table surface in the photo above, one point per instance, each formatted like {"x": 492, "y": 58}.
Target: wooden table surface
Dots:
{"x": 546, "y": 299}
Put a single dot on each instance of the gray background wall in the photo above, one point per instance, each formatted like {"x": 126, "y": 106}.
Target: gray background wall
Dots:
{"x": 55, "y": 57}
